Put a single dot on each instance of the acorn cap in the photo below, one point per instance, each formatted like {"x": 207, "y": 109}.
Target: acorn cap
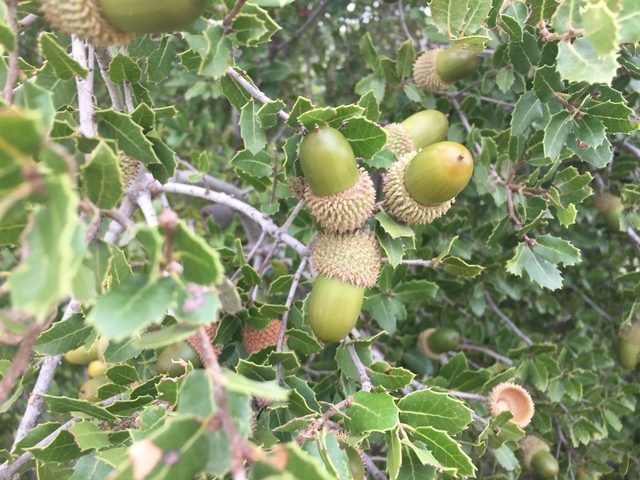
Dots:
{"x": 399, "y": 139}
{"x": 297, "y": 185}
{"x": 422, "y": 344}
{"x": 212, "y": 328}
{"x": 354, "y": 258}
{"x": 254, "y": 339}
{"x": 529, "y": 446}
{"x": 512, "y": 397}
{"x": 425, "y": 73}
{"x": 630, "y": 334}
{"x": 83, "y": 19}
{"x": 607, "y": 202}
{"x": 129, "y": 167}
{"x": 344, "y": 211}
{"x": 401, "y": 204}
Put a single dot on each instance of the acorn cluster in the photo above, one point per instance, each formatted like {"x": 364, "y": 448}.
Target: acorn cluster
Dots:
{"x": 116, "y": 22}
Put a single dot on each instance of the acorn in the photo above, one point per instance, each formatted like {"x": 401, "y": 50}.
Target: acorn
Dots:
{"x": 82, "y": 356}
{"x": 512, "y": 397}
{"x": 629, "y": 346}
{"x": 346, "y": 265}
{"x": 129, "y": 167}
{"x": 610, "y": 208}
{"x": 339, "y": 195}
{"x": 109, "y": 22}
{"x": 427, "y": 127}
{"x": 97, "y": 369}
{"x": 254, "y": 340}
{"x": 399, "y": 140}
{"x": 535, "y": 454}
{"x": 433, "y": 342}
{"x": 421, "y": 187}
{"x": 166, "y": 363}
{"x": 438, "y": 69}
{"x": 89, "y": 389}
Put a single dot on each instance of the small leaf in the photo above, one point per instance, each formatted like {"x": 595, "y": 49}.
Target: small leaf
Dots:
{"x": 252, "y": 132}
{"x": 66, "y": 68}
{"x": 365, "y": 137}
{"x": 434, "y": 409}
{"x": 129, "y": 135}
{"x": 372, "y": 412}
{"x": 102, "y": 180}
{"x": 579, "y": 62}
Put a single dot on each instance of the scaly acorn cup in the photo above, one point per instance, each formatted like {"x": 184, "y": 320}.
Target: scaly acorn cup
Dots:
{"x": 426, "y": 127}
{"x": 438, "y": 69}
{"x": 610, "y": 208}
{"x": 211, "y": 329}
{"x": 129, "y": 167}
{"x": 421, "y": 187}
{"x": 512, "y": 397}
{"x": 111, "y": 22}
{"x": 339, "y": 195}
{"x": 629, "y": 346}
{"x": 399, "y": 140}
{"x": 535, "y": 455}
{"x": 346, "y": 265}
{"x": 433, "y": 342}
{"x": 254, "y": 340}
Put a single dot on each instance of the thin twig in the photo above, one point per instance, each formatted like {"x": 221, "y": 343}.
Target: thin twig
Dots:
{"x": 84, "y": 87}
{"x": 365, "y": 381}
{"x": 494, "y": 308}
{"x": 403, "y": 22}
{"x": 632, "y": 149}
{"x": 319, "y": 422}
{"x": 253, "y": 91}
{"x": 14, "y": 65}
{"x": 470, "y": 396}
{"x": 104, "y": 58}
{"x": 146, "y": 207}
{"x": 263, "y": 220}
{"x": 232, "y": 14}
{"x": 372, "y": 469}
{"x": 486, "y": 351}
{"x": 285, "y": 315}
{"x": 298, "y": 33}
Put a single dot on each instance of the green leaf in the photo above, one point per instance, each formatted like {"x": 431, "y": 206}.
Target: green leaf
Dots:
{"x": 123, "y": 67}
{"x": 579, "y": 62}
{"x": 160, "y": 61}
{"x": 449, "y": 15}
{"x": 365, "y": 137}
{"x": 415, "y": 290}
{"x": 393, "y": 228}
{"x": 63, "y": 336}
{"x": 404, "y": 64}
{"x": 196, "y": 395}
{"x": 69, "y": 405}
{"x": 7, "y": 36}
{"x": 63, "y": 448}
{"x": 301, "y": 106}
{"x": 123, "y": 374}
{"x": 89, "y": 436}
{"x": 371, "y": 106}
{"x": 248, "y": 29}
{"x": 392, "y": 378}
{"x": 102, "y": 180}
{"x": 590, "y": 131}
{"x": 258, "y": 165}
{"x": 130, "y": 307}
{"x": 457, "y": 266}
{"x": 556, "y": 133}
{"x": 268, "y": 113}
{"x": 65, "y": 67}
{"x": 129, "y": 135}
{"x": 600, "y": 27}
{"x": 556, "y": 250}
{"x": 41, "y": 100}
{"x": 56, "y": 248}
{"x": 445, "y": 450}
{"x": 434, "y": 409}
{"x": 368, "y": 52}
{"x": 201, "y": 262}
{"x": 540, "y": 270}
{"x": 615, "y": 116}
{"x": 386, "y": 311}
{"x": 629, "y": 22}
{"x": 546, "y": 82}
{"x": 252, "y": 132}
{"x": 250, "y": 36}
{"x": 477, "y": 14}
{"x": 527, "y": 111}
{"x": 394, "y": 455}
{"x": 371, "y": 412}
{"x": 216, "y": 57}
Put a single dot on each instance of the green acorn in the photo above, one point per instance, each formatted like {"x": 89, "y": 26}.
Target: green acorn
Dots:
{"x": 339, "y": 195}
{"x": 89, "y": 389}
{"x": 433, "y": 342}
{"x": 610, "y": 207}
{"x": 346, "y": 265}
{"x": 421, "y": 187}
{"x": 535, "y": 454}
{"x": 416, "y": 132}
{"x": 629, "y": 346}
{"x": 439, "y": 68}
{"x": 166, "y": 363}
{"x": 115, "y": 22}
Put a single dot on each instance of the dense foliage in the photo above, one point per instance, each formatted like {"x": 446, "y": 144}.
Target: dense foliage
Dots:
{"x": 536, "y": 280}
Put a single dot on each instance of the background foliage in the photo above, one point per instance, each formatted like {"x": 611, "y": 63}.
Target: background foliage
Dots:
{"x": 522, "y": 265}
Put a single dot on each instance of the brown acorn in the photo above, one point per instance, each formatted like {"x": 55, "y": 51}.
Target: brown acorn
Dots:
{"x": 512, "y": 397}
{"x": 254, "y": 340}
{"x": 438, "y": 69}
{"x": 535, "y": 455}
